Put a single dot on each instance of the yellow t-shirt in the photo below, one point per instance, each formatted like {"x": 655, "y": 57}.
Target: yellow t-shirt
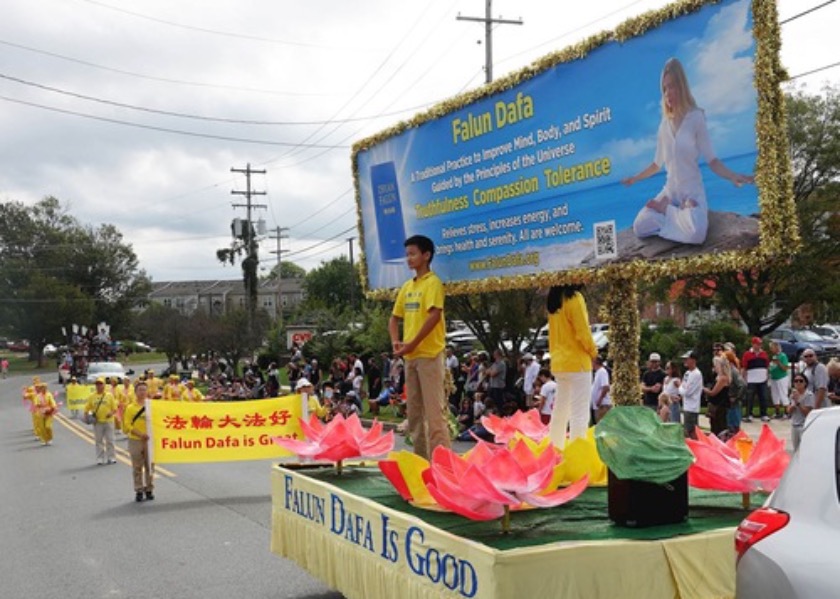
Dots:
{"x": 570, "y": 340}
{"x": 154, "y": 385}
{"x": 415, "y": 299}
{"x": 191, "y": 394}
{"x": 125, "y": 396}
{"x": 101, "y": 409}
{"x": 44, "y": 404}
{"x": 172, "y": 392}
{"x": 128, "y": 417}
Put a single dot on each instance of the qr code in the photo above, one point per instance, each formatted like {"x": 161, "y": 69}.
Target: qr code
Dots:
{"x": 606, "y": 245}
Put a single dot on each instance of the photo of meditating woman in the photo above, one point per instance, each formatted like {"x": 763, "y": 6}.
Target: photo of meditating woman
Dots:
{"x": 680, "y": 212}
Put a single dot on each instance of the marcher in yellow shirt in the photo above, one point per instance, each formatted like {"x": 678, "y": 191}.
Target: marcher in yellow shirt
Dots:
{"x": 124, "y": 394}
{"x": 113, "y": 387}
{"x": 28, "y": 401}
{"x": 172, "y": 390}
{"x": 43, "y": 409}
{"x": 190, "y": 393}
{"x": 154, "y": 384}
{"x": 134, "y": 426}
{"x": 304, "y": 388}
{"x": 102, "y": 406}
{"x": 572, "y": 350}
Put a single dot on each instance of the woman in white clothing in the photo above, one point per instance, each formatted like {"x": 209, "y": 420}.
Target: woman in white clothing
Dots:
{"x": 679, "y": 212}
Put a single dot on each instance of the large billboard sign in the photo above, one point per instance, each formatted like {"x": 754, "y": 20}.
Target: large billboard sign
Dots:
{"x": 639, "y": 146}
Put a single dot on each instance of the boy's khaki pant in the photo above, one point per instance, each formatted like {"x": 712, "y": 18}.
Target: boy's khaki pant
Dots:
{"x": 426, "y": 404}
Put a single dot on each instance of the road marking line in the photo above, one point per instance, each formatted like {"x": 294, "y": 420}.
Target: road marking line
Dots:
{"x": 121, "y": 454}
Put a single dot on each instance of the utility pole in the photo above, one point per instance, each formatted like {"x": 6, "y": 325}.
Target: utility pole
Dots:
{"x": 279, "y": 251}
{"x": 352, "y": 274}
{"x": 488, "y": 21}
{"x": 251, "y": 262}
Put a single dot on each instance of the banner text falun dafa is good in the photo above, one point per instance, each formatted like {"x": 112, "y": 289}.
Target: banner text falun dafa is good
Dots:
{"x": 575, "y": 166}
{"x": 184, "y": 432}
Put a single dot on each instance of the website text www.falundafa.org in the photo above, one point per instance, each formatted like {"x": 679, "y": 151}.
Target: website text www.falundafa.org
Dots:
{"x": 506, "y": 261}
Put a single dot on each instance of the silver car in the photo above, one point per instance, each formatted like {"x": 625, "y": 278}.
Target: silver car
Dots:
{"x": 107, "y": 370}
{"x": 790, "y": 548}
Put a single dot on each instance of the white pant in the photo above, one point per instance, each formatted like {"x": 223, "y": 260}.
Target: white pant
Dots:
{"x": 571, "y": 406}
{"x": 104, "y": 436}
{"x": 779, "y": 389}
{"x": 683, "y": 225}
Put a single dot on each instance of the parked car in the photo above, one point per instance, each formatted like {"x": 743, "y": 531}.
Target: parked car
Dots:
{"x": 105, "y": 369}
{"x": 789, "y": 547}
{"x": 462, "y": 341}
{"x": 828, "y": 331}
{"x": 795, "y": 341}
{"x": 601, "y": 338}
{"x": 18, "y": 346}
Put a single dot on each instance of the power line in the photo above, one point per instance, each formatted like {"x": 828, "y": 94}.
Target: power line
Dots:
{"x": 154, "y": 78}
{"x": 806, "y": 12}
{"x": 325, "y": 225}
{"x": 319, "y": 211}
{"x": 214, "y": 31}
{"x": 811, "y": 72}
{"x": 201, "y": 117}
{"x": 168, "y": 130}
{"x": 357, "y": 93}
{"x": 322, "y": 242}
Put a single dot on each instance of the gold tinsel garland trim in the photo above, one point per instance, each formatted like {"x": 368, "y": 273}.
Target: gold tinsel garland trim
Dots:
{"x": 778, "y": 229}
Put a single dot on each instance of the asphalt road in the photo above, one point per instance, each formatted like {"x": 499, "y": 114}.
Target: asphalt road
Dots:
{"x": 71, "y": 529}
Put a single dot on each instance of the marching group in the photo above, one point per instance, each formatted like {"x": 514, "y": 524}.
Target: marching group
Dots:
{"x": 112, "y": 406}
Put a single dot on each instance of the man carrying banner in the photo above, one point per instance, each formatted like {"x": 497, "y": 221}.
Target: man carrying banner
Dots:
{"x": 420, "y": 305}
{"x": 134, "y": 426}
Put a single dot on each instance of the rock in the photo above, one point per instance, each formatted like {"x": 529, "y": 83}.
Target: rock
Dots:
{"x": 728, "y": 231}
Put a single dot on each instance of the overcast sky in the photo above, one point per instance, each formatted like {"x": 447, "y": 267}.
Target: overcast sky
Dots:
{"x": 184, "y": 90}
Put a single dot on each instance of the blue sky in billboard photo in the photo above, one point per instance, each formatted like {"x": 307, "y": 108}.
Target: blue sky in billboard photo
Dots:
{"x": 134, "y": 113}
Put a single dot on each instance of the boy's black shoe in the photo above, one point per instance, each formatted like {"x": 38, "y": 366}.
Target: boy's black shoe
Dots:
{"x": 150, "y": 495}
{"x": 138, "y": 496}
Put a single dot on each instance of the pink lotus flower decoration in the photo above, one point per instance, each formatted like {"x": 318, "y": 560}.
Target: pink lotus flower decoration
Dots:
{"x": 491, "y": 480}
{"x": 340, "y": 439}
{"x": 527, "y": 424}
{"x": 737, "y": 466}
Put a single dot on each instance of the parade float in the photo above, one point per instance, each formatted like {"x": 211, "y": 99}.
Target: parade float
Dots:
{"x": 527, "y": 182}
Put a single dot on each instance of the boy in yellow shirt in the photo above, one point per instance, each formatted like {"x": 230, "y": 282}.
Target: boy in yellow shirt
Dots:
{"x": 420, "y": 306}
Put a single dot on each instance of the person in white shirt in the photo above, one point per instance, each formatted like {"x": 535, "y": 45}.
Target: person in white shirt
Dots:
{"x": 600, "y": 398}
{"x": 548, "y": 393}
{"x": 532, "y": 371}
{"x": 691, "y": 392}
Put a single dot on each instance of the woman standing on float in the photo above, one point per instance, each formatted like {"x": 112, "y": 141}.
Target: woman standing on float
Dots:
{"x": 572, "y": 348}
{"x": 680, "y": 212}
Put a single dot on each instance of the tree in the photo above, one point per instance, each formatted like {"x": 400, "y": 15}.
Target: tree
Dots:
{"x": 765, "y": 298}
{"x": 166, "y": 329}
{"x": 81, "y": 273}
{"x": 230, "y": 336}
{"x": 503, "y": 319}
{"x": 332, "y": 285}
{"x": 287, "y": 270}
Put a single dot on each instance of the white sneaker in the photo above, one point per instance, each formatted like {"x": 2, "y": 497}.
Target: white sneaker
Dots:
{"x": 112, "y": 461}
{"x": 100, "y": 462}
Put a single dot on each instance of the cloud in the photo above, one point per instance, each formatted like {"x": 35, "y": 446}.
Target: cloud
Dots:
{"x": 721, "y": 69}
